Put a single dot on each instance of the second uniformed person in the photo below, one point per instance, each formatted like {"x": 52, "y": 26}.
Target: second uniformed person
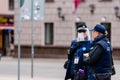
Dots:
{"x": 99, "y": 57}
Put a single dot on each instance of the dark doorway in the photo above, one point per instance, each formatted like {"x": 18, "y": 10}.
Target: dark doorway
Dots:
{"x": 108, "y": 27}
{"x": 8, "y": 39}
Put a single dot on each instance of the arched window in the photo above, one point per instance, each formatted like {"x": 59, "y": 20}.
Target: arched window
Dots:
{"x": 49, "y": 0}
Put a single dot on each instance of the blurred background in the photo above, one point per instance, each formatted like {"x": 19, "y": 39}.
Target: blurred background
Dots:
{"x": 52, "y": 28}
{"x": 55, "y": 23}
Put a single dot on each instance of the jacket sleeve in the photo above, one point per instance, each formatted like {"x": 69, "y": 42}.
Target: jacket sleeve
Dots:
{"x": 94, "y": 55}
{"x": 74, "y": 46}
{"x": 73, "y": 49}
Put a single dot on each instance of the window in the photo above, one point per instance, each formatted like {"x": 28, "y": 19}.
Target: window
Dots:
{"x": 104, "y": 0}
{"x": 21, "y": 2}
{"x": 108, "y": 27}
{"x": 1, "y": 39}
{"x": 11, "y": 4}
{"x": 49, "y": 0}
{"x": 49, "y": 33}
{"x": 83, "y": 0}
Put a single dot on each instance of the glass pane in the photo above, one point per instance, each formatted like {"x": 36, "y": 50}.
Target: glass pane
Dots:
{"x": 49, "y": 0}
{"x": 48, "y": 33}
{"x": 21, "y": 3}
{"x": 1, "y": 42}
{"x": 83, "y": 0}
{"x": 104, "y": 0}
{"x": 11, "y": 4}
{"x": 108, "y": 27}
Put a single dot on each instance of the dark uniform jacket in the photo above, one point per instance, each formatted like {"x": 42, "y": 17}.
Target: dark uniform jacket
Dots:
{"x": 70, "y": 62}
{"x": 76, "y": 49}
{"x": 100, "y": 55}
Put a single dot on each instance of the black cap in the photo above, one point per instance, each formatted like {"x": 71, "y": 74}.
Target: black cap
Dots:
{"x": 100, "y": 28}
{"x": 81, "y": 28}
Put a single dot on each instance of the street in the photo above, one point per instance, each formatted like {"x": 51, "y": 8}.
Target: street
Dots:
{"x": 44, "y": 69}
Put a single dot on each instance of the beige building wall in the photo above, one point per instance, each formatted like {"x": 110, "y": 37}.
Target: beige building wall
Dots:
{"x": 61, "y": 37}
{"x": 4, "y": 7}
{"x": 6, "y": 23}
{"x": 64, "y": 31}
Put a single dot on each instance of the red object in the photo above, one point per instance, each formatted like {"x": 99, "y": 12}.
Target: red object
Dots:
{"x": 6, "y": 25}
{"x": 75, "y": 5}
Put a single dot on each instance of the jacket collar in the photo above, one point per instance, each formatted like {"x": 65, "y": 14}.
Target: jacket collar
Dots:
{"x": 98, "y": 38}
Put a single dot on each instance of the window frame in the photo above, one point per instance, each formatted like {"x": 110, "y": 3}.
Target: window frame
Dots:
{"x": 49, "y": 1}
{"x": 51, "y": 35}
{"x": 83, "y": 0}
{"x": 105, "y": 0}
{"x": 11, "y": 5}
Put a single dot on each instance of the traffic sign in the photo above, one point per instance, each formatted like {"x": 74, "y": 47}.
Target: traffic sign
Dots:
{"x": 38, "y": 11}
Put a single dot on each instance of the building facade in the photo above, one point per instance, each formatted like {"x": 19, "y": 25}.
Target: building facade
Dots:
{"x": 6, "y": 26}
{"x": 53, "y": 34}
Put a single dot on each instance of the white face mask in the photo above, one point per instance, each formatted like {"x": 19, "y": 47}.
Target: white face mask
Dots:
{"x": 81, "y": 37}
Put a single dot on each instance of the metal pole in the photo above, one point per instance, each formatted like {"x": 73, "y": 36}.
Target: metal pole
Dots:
{"x": 19, "y": 32}
{"x": 32, "y": 37}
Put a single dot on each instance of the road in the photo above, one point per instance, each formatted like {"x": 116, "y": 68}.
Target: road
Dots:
{"x": 44, "y": 69}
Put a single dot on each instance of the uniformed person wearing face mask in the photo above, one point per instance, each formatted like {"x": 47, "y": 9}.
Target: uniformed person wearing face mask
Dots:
{"x": 78, "y": 47}
{"x": 83, "y": 40}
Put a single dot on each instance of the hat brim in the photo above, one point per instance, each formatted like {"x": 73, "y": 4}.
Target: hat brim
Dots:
{"x": 81, "y": 30}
